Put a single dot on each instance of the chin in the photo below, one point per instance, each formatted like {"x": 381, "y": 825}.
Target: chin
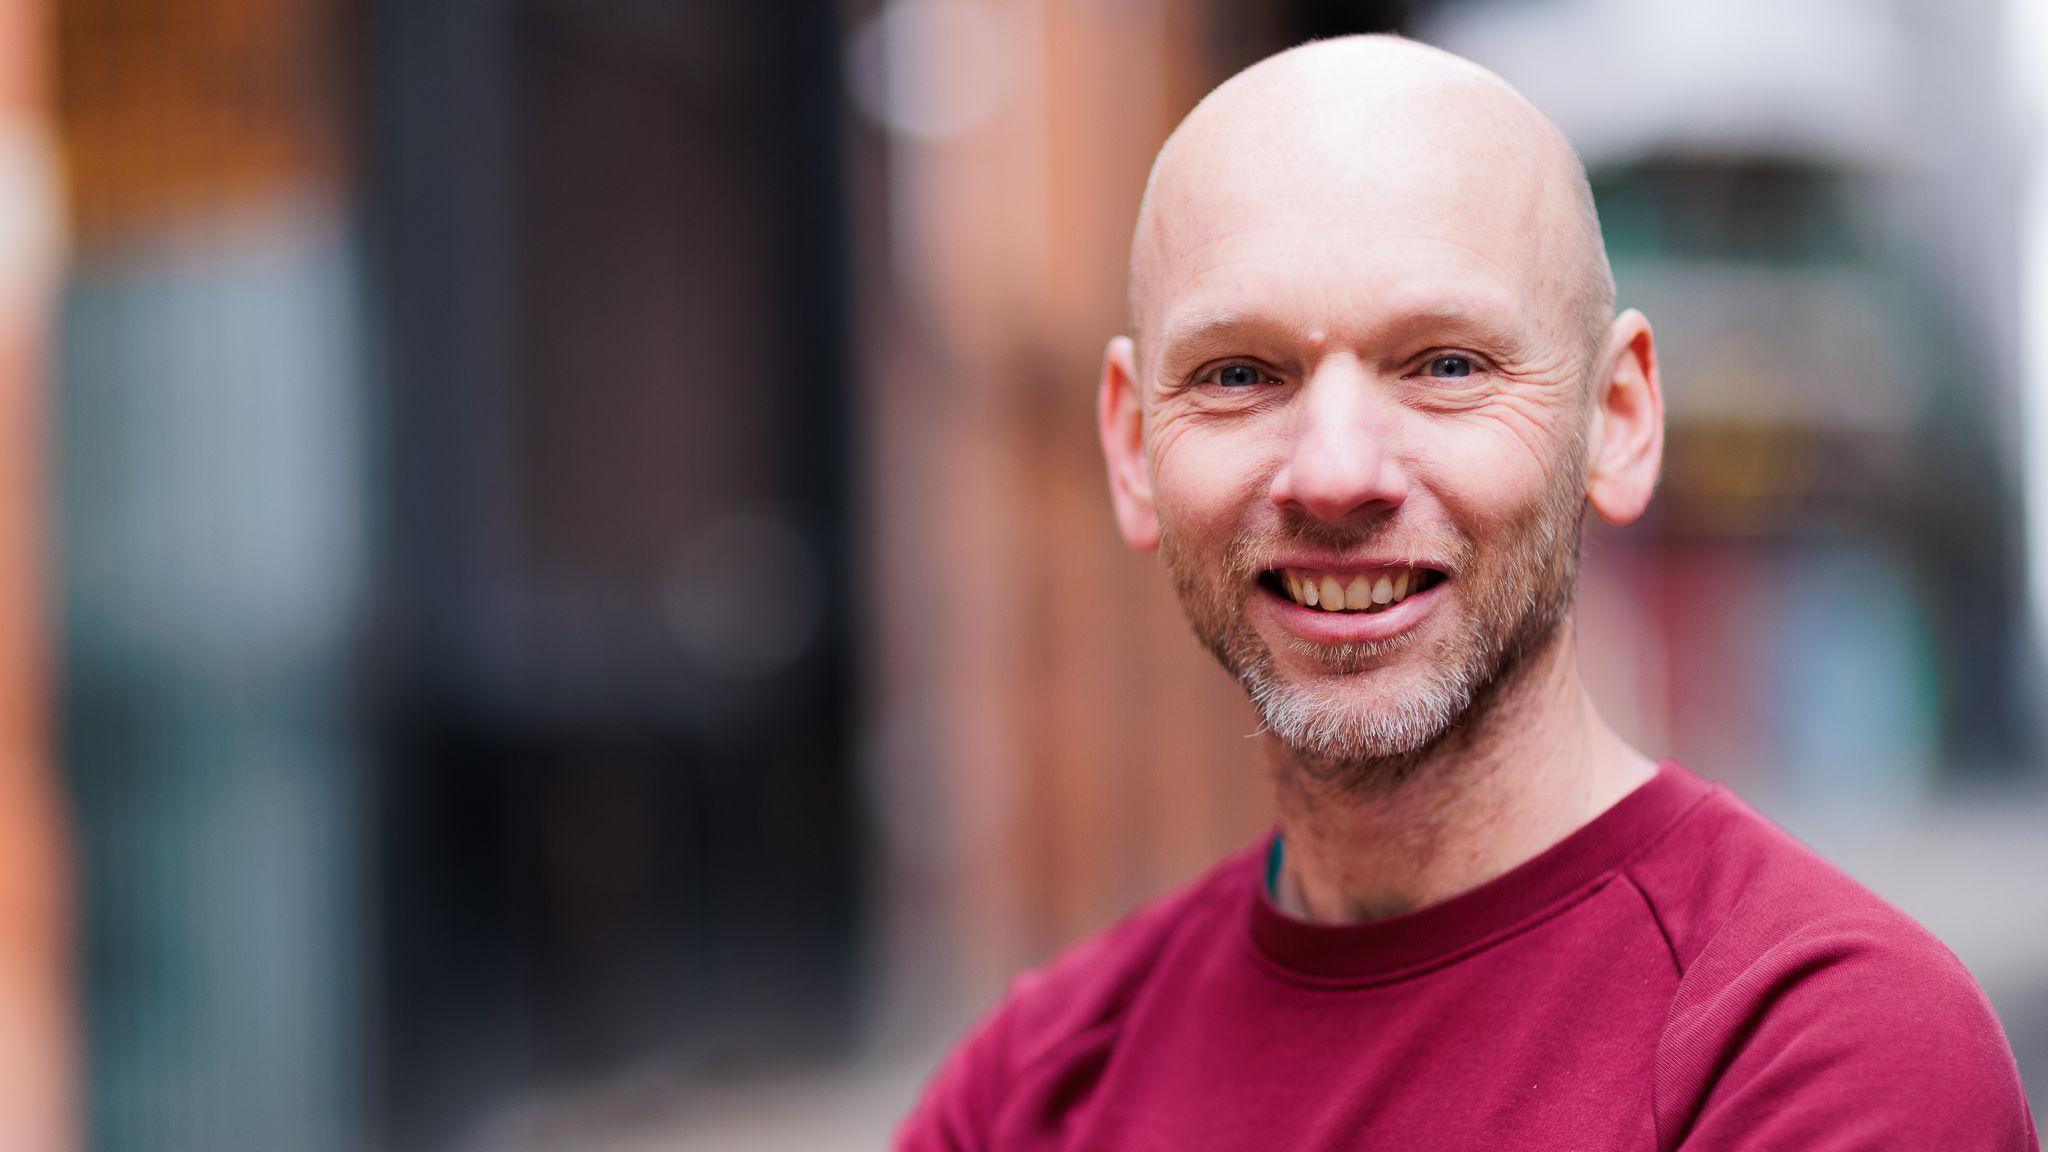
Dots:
{"x": 1360, "y": 718}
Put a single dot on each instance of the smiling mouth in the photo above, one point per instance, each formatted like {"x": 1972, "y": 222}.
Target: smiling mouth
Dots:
{"x": 1356, "y": 592}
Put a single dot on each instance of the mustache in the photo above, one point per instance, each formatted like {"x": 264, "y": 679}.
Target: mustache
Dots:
{"x": 1254, "y": 551}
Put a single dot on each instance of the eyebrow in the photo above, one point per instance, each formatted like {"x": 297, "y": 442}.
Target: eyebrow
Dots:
{"x": 1495, "y": 333}
{"x": 1208, "y": 332}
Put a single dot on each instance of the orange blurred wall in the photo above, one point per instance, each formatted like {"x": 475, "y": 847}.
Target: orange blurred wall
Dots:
{"x": 1056, "y": 746}
{"x": 38, "y": 1065}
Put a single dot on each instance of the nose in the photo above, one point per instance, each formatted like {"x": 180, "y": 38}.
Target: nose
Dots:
{"x": 1341, "y": 465}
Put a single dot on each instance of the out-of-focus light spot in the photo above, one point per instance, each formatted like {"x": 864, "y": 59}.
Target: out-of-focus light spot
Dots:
{"x": 746, "y": 596}
{"x": 933, "y": 69}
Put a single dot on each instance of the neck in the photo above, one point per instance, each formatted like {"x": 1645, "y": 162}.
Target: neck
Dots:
{"x": 1534, "y": 767}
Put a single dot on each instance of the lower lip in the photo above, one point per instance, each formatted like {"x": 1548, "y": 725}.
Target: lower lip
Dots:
{"x": 1320, "y": 627}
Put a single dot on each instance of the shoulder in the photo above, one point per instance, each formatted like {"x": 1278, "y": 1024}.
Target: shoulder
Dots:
{"x": 1808, "y": 1005}
{"x": 1077, "y": 999}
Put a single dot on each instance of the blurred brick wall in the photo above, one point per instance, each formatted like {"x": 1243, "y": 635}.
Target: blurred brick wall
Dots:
{"x": 1054, "y": 746}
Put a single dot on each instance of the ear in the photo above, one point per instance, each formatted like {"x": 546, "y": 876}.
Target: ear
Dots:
{"x": 1625, "y": 441}
{"x": 1120, "y": 419}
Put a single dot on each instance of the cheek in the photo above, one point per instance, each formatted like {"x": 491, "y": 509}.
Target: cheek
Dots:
{"x": 1204, "y": 478}
{"x": 1487, "y": 477}
{"x": 1533, "y": 423}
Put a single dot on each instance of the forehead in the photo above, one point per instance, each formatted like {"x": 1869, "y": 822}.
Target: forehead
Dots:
{"x": 1348, "y": 283}
{"x": 1343, "y": 227}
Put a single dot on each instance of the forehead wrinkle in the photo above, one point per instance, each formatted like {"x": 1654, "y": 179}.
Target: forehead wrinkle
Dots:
{"x": 1202, "y": 332}
{"x": 1391, "y": 293}
{"x": 1358, "y": 290}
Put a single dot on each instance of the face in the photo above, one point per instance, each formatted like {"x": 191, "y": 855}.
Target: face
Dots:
{"x": 1363, "y": 432}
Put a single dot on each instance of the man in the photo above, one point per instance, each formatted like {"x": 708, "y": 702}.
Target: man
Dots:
{"x": 1374, "y": 377}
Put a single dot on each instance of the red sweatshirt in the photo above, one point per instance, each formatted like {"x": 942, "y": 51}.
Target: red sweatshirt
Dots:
{"x": 1677, "y": 973}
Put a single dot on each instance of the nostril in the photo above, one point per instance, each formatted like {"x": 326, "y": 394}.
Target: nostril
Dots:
{"x": 1332, "y": 491}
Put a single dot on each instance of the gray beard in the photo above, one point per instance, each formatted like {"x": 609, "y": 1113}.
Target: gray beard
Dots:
{"x": 1373, "y": 750}
{"x": 1359, "y": 743}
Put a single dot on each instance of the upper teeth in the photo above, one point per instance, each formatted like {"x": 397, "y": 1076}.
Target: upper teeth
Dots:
{"x": 1350, "y": 592}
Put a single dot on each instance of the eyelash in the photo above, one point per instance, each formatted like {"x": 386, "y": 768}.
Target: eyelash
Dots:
{"x": 1212, "y": 375}
{"x": 1481, "y": 366}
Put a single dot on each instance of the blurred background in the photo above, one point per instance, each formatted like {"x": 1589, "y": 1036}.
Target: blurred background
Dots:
{"x": 556, "y": 589}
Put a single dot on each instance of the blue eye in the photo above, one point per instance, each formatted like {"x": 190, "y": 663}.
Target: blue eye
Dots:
{"x": 1450, "y": 367}
{"x": 1237, "y": 376}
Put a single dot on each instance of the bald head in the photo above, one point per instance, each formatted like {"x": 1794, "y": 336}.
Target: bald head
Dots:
{"x": 1374, "y": 351}
{"x": 1387, "y": 146}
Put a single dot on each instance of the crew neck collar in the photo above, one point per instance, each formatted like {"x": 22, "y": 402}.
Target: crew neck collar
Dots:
{"x": 1376, "y": 951}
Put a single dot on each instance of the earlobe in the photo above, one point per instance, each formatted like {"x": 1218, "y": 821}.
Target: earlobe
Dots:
{"x": 1120, "y": 420}
{"x": 1627, "y": 423}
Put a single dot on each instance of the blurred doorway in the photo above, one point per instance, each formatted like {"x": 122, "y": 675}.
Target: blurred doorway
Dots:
{"x": 617, "y": 810}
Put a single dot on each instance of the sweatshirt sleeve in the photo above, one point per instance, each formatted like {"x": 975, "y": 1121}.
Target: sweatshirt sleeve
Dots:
{"x": 1858, "y": 1032}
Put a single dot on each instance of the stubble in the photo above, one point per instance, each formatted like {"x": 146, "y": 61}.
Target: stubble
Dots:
{"x": 1346, "y": 733}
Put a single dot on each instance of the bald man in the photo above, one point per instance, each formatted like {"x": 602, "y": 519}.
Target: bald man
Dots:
{"x": 1373, "y": 380}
